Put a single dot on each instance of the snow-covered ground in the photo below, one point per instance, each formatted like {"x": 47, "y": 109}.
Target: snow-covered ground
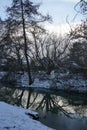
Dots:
{"x": 61, "y": 81}
{"x": 58, "y": 81}
{"x": 15, "y": 118}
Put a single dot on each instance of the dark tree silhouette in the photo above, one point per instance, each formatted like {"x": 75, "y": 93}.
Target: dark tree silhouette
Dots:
{"x": 21, "y": 15}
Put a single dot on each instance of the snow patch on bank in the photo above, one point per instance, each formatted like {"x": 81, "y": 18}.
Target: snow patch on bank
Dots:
{"x": 56, "y": 80}
{"x": 41, "y": 84}
{"x": 37, "y": 83}
{"x": 61, "y": 81}
{"x": 75, "y": 83}
{"x": 15, "y": 118}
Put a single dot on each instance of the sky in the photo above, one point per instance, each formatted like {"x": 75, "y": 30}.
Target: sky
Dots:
{"x": 59, "y": 10}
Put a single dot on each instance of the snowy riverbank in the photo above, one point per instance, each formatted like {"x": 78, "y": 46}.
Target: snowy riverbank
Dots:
{"x": 15, "y": 118}
{"x": 56, "y": 81}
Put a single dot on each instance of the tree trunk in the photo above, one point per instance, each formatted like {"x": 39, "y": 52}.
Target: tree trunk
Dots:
{"x": 25, "y": 46}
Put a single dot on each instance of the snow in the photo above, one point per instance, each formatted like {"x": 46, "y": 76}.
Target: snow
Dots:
{"x": 24, "y": 80}
{"x": 37, "y": 83}
{"x": 75, "y": 65}
{"x": 15, "y": 118}
{"x": 56, "y": 80}
{"x": 76, "y": 83}
{"x": 61, "y": 81}
{"x": 41, "y": 84}
{"x": 52, "y": 75}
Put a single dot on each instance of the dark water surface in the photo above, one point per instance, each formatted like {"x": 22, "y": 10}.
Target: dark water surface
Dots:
{"x": 58, "y": 110}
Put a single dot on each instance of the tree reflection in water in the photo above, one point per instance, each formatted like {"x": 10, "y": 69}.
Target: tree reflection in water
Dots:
{"x": 46, "y": 102}
{"x": 37, "y": 101}
{"x": 6, "y": 95}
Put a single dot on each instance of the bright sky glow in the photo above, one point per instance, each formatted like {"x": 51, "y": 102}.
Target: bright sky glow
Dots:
{"x": 58, "y": 9}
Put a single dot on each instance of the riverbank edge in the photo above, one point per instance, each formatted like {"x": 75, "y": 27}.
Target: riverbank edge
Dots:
{"x": 13, "y": 117}
{"x": 53, "y": 82}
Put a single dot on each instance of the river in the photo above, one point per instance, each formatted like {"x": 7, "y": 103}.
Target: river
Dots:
{"x": 58, "y": 110}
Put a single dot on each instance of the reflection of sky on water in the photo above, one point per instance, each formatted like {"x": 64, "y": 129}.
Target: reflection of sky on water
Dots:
{"x": 53, "y": 103}
{"x": 64, "y": 112}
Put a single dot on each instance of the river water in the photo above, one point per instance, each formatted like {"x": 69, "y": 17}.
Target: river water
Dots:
{"x": 58, "y": 110}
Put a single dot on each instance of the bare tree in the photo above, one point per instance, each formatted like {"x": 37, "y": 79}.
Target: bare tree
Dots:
{"x": 50, "y": 49}
{"x": 21, "y": 15}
